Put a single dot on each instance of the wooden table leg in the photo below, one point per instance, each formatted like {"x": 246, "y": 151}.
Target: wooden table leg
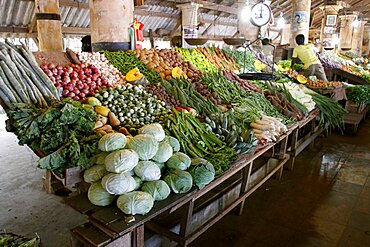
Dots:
{"x": 185, "y": 224}
{"x": 246, "y": 173}
{"x": 293, "y": 147}
{"x": 138, "y": 237}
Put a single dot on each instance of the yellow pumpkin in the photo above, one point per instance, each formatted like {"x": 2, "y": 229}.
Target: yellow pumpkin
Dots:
{"x": 133, "y": 75}
{"x": 102, "y": 110}
{"x": 177, "y": 73}
{"x": 282, "y": 68}
{"x": 302, "y": 79}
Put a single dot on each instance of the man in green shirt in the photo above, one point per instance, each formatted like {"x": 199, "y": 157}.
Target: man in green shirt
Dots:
{"x": 306, "y": 54}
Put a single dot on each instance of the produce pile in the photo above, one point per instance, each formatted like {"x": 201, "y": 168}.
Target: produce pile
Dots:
{"x": 196, "y": 140}
{"x": 107, "y": 70}
{"x": 75, "y": 81}
{"x": 298, "y": 94}
{"x": 239, "y": 56}
{"x": 154, "y": 62}
{"x": 174, "y": 59}
{"x": 185, "y": 92}
{"x": 159, "y": 91}
{"x": 133, "y": 106}
{"x": 358, "y": 94}
{"x": 13, "y": 240}
{"x": 218, "y": 58}
{"x": 140, "y": 170}
{"x": 197, "y": 59}
{"x": 329, "y": 60}
{"x": 126, "y": 61}
{"x": 63, "y": 133}
{"x": 21, "y": 79}
{"x": 268, "y": 129}
{"x": 247, "y": 86}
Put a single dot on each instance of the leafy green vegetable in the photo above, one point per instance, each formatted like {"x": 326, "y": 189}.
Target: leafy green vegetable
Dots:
{"x": 63, "y": 132}
{"x": 111, "y": 142}
{"x": 121, "y": 161}
{"x": 118, "y": 184}
{"x": 147, "y": 171}
{"x": 179, "y": 181}
{"x": 164, "y": 152}
{"x": 99, "y": 196}
{"x": 159, "y": 189}
{"x": 95, "y": 173}
{"x": 135, "y": 202}
{"x": 179, "y": 161}
{"x": 359, "y": 94}
{"x": 144, "y": 145}
{"x": 202, "y": 172}
{"x": 155, "y": 130}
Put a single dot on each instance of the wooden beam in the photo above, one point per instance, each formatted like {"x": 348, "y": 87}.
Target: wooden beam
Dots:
{"x": 76, "y": 30}
{"x": 155, "y": 14}
{"x": 69, "y": 3}
{"x": 178, "y": 24}
{"x": 211, "y": 6}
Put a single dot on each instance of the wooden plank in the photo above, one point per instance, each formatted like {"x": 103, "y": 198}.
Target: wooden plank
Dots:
{"x": 91, "y": 235}
{"x": 308, "y": 142}
{"x": 50, "y": 35}
{"x": 162, "y": 231}
{"x": 138, "y": 236}
{"x": 214, "y": 220}
{"x": 81, "y": 203}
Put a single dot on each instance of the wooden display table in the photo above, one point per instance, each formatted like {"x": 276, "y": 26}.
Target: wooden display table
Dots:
{"x": 184, "y": 217}
{"x": 342, "y": 75}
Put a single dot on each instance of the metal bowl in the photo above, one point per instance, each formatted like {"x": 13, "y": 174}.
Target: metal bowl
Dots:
{"x": 234, "y": 41}
{"x": 196, "y": 41}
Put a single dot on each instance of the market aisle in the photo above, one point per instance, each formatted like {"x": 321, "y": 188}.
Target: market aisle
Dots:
{"x": 25, "y": 208}
{"x": 324, "y": 201}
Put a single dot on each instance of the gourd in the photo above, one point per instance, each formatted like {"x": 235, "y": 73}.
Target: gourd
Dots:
{"x": 133, "y": 75}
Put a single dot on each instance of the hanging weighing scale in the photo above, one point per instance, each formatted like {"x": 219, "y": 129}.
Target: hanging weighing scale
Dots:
{"x": 261, "y": 14}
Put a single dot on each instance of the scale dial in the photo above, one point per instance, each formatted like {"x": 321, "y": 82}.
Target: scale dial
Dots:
{"x": 261, "y": 14}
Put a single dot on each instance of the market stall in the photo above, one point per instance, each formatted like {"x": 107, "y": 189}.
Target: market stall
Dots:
{"x": 130, "y": 128}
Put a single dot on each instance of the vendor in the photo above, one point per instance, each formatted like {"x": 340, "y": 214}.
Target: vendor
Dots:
{"x": 306, "y": 54}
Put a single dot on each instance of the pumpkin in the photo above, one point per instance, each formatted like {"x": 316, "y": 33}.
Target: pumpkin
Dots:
{"x": 133, "y": 75}
{"x": 177, "y": 73}
{"x": 102, "y": 110}
{"x": 302, "y": 79}
{"x": 282, "y": 68}
{"x": 258, "y": 65}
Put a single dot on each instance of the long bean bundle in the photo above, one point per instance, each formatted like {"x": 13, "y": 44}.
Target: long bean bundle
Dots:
{"x": 22, "y": 80}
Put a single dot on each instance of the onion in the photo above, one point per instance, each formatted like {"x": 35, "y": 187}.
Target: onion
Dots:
{"x": 71, "y": 94}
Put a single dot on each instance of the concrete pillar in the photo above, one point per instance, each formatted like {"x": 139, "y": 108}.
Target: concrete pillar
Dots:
{"x": 328, "y": 25}
{"x": 300, "y": 19}
{"x": 366, "y": 40}
{"x": 189, "y": 20}
{"x": 245, "y": 27}
{"x": 358, "y": 36}
{"x": 346, "y": 31}
{"x": 109, "y": 24}
{"x": 49, "y": 28}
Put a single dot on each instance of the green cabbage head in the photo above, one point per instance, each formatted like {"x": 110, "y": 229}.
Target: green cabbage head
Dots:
{"x": 159, "y": 190}
{"x": 147, "y": 171}
{"x": 179, "y": 161}
{"x": 98, "y": 195}
{"x": 202, "y": 171}
{"x": 118, "y": 184}
{"x": 179, "y": 181}
{"x": 135, "y": 202}
{"x": 164, "y": 153}
{"x": 155, "y": 130}
{"x": 95, "y": 173}
{"x": 121, "y": 160}
{"x": 174, "y": 143}
{"x": 111, "y": 142}
{"x": 144, "y": 145}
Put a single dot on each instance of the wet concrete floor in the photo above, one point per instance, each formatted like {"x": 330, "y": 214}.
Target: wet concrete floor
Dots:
{"x": 324, "y": 201}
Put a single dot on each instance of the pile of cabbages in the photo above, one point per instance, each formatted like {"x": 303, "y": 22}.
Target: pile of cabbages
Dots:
{"x": 142, "y": 169}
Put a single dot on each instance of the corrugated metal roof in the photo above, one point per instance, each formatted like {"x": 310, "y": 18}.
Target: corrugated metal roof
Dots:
{"x": 16, "y": 13}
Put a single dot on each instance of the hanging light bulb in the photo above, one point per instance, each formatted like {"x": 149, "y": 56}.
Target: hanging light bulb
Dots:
{"x": 356, "y": 23}
{"x": 280, "y": 22}
{"x": 245, "y": 14}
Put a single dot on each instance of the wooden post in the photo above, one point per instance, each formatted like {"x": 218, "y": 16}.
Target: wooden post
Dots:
{"x": 358, "y": 36}
{"x": 346, "y": 31}
{"x": 300, "y": 19}
{"x": 49, "y": 29}
{"x": 189, "y": 20}
{"x": 109, "y": 24}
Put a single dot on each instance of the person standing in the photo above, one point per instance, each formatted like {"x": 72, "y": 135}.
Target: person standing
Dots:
{"x": 306, "y": 54}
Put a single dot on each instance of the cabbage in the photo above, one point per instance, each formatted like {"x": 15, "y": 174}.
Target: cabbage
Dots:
{"x": 117, "y": 184}
{"x": 160, "y": 165}
{"x": 147, "y": 171}
{"x": 159, "y": 190}
{"x": 179, "y": 181}
{"x": 155, "y": 130}
{"x": 202, "y": 171}
{"x": 174, "y": 143}
{"x": 179, "y": 161}
{"x": 144, "y": 145}
{"x": 98, "y": 195}
{"x": 95, "y": 173}
{"x": 138, "y": 182}
{"x": 136, "y": 202}
{"x": 100, "y": 158}
{"x": 164, "y": 153}
{"x": 111, "y": 142}
{"x": 121, "y": 161}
